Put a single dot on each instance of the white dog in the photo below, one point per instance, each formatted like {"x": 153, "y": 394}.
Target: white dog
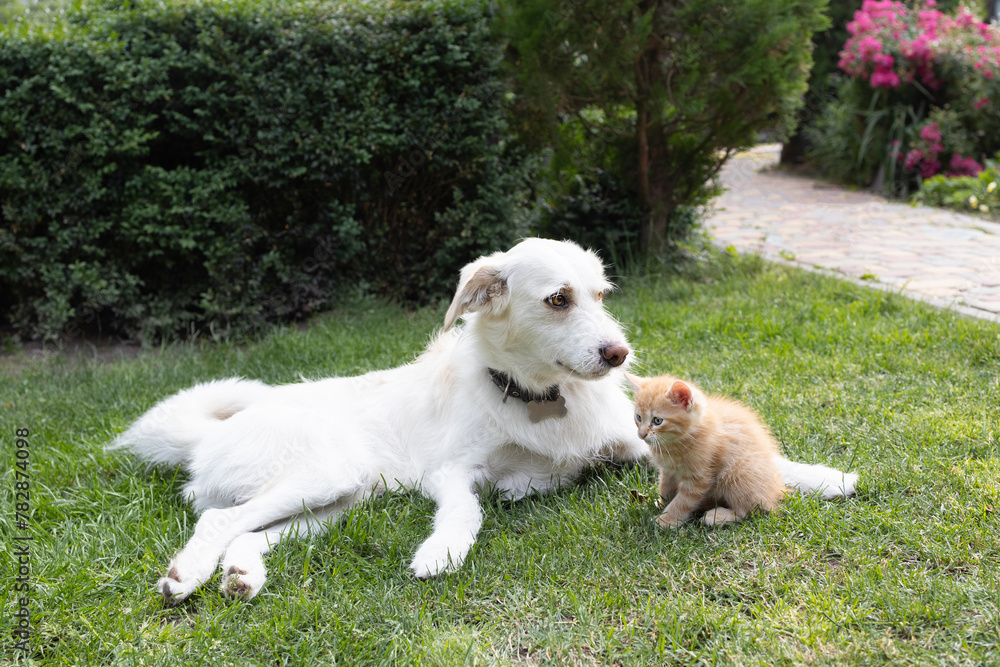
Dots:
{"x": 520, "y": 399}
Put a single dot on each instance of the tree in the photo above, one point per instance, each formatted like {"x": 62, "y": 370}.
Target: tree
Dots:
{"x": 674, "y": 86}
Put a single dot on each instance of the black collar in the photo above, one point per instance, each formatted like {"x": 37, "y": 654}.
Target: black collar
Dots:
{"x": 511, "y": 388}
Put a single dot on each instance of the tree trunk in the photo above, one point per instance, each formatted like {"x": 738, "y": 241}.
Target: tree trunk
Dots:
{"x": 645, "y": 233}
{"x": 654, "y": 189}
{"x": 650, "y": 143}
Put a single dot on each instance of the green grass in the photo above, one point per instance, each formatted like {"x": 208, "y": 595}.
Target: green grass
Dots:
{"x": 904, "y": 573}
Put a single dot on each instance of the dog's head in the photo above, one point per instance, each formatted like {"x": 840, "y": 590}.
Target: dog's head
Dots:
{"x": 537, "y": 312}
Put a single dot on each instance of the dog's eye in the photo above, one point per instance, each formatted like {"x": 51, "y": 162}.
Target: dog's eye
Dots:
{"x": 657, "y": 421}
{"x": 600, "y": 296}
{"x": 557, "y": 300}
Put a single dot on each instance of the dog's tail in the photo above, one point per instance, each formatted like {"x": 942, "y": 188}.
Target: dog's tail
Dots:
{"x": 168, "y": 432}
{"x": 817, "y": 478}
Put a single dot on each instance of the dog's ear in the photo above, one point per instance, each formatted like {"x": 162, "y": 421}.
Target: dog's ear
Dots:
{"x": 481, "y": 288}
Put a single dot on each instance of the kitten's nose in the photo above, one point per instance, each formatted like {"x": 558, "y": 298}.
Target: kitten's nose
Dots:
{"x": 614, "y": 355}
{"x": 643, "y": 432}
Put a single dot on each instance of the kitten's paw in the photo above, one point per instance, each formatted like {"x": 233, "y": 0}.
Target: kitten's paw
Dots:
{"x": 668, "y": 522}
{"x": 719, "y": 516}
{"x": 173, "y": 589}
{"x": 239, "y": 584}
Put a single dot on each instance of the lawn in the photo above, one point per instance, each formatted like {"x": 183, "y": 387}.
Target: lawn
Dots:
{"x": 905, "y": 573}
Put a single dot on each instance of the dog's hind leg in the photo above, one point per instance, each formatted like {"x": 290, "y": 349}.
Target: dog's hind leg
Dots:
{"x": 243, "y": 571}
{"x": 217, "y": 528}
{"x": 456, "y": 524}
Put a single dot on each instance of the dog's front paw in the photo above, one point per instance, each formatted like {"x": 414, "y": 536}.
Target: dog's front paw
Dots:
{"x": 173, "y": 589}
{"x": 433, "y": 559}
{"x": 239, "y": 584}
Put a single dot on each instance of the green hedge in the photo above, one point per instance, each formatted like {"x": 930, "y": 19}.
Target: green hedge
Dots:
{"x": 170, "y": 167}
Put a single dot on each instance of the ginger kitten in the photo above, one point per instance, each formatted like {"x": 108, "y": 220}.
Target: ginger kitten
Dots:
{"x": 713, "y": 453}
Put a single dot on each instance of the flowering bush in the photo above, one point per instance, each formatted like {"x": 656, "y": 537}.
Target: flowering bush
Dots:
{"x": 928, "y": 153}
{"x": 892, "y": 44}
{"x": 978, "y": 193}
{"x": 927, "y": 89}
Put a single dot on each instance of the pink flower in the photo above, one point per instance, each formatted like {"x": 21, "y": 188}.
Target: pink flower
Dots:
{"x": 868, "y": 47}
{"x": 929, "y": 168}
{"x": 931, "y": 134}
{"x": 963, "y": 166}
{"x": 884, "y": 10}
{"x": 862, "y": 23}
{"x": 913, "y": 159}
{"x": 884, "y": 78}
{"x": 929, "y": 21}
{"x": 893, "y": 44}
{"x": 918, "y": 50}
{"x": 981, "y": 103}
{"x": 847, "y": 62}
{"x": 964, "y": 18}
{"x": 883, "y": 60}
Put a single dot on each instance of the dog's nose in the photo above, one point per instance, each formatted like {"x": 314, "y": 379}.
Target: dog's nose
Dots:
{"x": 614, "y": 355}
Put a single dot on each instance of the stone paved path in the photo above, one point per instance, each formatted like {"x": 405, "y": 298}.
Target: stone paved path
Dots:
{"x": 943, "y": 257}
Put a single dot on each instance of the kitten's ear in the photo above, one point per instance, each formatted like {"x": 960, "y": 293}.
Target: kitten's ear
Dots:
{"x": 481, "y": 287}
{"x": 634, "y": 382}
{"x": 680, "y": 395}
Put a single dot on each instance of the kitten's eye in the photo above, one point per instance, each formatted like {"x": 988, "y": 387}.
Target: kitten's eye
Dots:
{"x": 657, "y": 421}
{"x": 638, "y": 419}
{"x": 557, "y": 300}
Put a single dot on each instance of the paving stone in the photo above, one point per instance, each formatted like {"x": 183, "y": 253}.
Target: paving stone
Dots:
{"x": 925, "y": 252}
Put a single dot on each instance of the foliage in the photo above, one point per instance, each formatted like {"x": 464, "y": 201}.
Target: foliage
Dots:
{"x": 826, "y": 49}
{"x": 10, "y": 9}
{"x": 593, "y": 212}
{"x": 923, "y": 89}
{"x": 849, "y": 139}
{"x": 978, "y": 193}
{"x": 671, "y": 88}
{"x": 173, "y": 167}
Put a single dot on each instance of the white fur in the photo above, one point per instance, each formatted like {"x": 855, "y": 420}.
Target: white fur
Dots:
{"x": 266, "y": 463}
{"x": 288, "y": 458}
{"x": 827, "y": 482}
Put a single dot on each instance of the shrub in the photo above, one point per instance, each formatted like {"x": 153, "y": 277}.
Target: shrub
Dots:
{"x": 923, "y": 89}
{"x": 592, "y": 211}
{"x": 827, "y": 46}
{"x": 174, "y": 167}
{"x": 978, "y": 193}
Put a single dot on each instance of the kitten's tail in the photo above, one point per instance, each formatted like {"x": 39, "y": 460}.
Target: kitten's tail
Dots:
{"x": 816, "y": 478}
